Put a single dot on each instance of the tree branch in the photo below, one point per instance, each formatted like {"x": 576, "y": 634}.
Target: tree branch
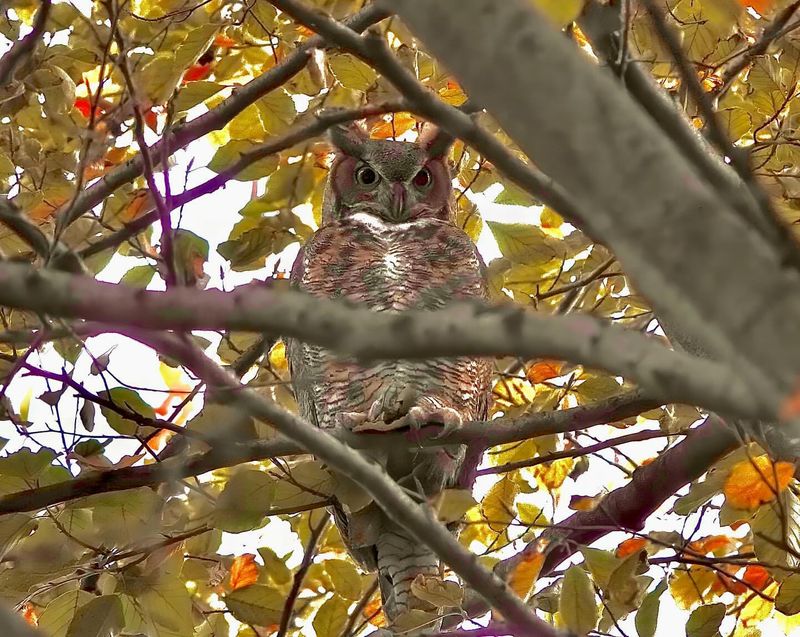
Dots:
{"x": 214, "y": 119}
{"x": 301, "y": 132}
{"x": 428, "y": 105}
{"x": 693, "y": 258}
{"x": 227, "y": 453}
{"x": 23, "y": 48}
{"x": 462, "y": 329}
{"x": 394, "y": 502}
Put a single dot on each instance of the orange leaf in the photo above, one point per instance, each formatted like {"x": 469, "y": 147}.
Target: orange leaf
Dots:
{"x": 42, "y": 211}
{"x": 757, "y": 576}
{"x": 84, "y": 106}
{"x": 139, "y": 205}
{"x": 244, "y": 571}
{"x": 762, "y": 6}
{"x": 631, "y": 546}
{"x": 373, "y": 612}
{"x": 224, "y": 42}
{"x": 711, "y": 543}
{"x": 30, "y": 614}
{"x": 398, "y": 124}
{"x": 583, "y": 502}
{"x": 524, "y": 575}
{"x": 756, "y": 481}
{"x": 197, "y": 72}
{"x": 544, "y": 370}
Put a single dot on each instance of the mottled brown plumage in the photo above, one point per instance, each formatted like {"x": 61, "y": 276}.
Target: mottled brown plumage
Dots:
{"x": 387, "y": 241}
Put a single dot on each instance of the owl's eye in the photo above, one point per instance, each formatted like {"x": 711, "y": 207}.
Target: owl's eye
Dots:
{"x": 423, "y": 178}
{"x": 366, "y": 176}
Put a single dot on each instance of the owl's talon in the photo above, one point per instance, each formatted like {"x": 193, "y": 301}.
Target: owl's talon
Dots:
{"x": 352, "y": 419}
{"x": 419, "y": 416}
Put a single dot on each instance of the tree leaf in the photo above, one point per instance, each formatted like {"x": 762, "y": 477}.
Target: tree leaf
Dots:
{"x": 351, "y": 72}
{"x": 523, "y": 243}
{"x": 244, "y": 571}
{"x": 498, "y": 505}
{"x": 705, "y": 620}
{"x": 647, "y": 616}
{"x": 245, "y": 501}
{"x": 231, "y": 152}
{"x": 788, "y": 599}
{"x": 331, "y": 618}
{"x": 452, "y": 504}
{"x": 59, "y": 613}
{"x": 131, "y": 401}
{"x": 256, "y": 604}
{"x": 345, "y": 578}
{"x": 101, "y": 617}
{"x": 441, "y": 593}
{"x": 577, "y": 603}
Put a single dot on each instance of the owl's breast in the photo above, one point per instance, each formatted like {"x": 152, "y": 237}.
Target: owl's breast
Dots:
{"x": 392, "y": 266}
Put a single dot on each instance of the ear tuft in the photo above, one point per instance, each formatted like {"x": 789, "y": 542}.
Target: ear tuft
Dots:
{"x": 348, "y": 138}
{"x": 436, "y": 141}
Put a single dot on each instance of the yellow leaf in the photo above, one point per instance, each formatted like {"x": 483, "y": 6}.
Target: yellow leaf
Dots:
{"x": 396, "y": 125}
{"x": 277, "y": 357}
{"x": 498, "y": 505}
{"x": 441, "y": 593}
{"x": 553, "y": 474}
{"x": 758, "y": 609}
{"x": 452, "y": 504}
{"x": 689, "y": 586}
{"x": 756, "y": 481}
{"x": 25, "y": 405}
{"x": 562, "y": 12}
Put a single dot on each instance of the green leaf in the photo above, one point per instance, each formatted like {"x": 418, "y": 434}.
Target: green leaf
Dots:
{"x": 513, "y": 195}
{"x": 101, "y": 617}
{"x": 59, "y": 613}
{"x": 562, "y": 12}
{"x": 647, "y": 616}
{"x": 577, "y": 603}
{"x": 231, "y": 152}
{"x": 159, "y": 77}
{"x": 167, "y": 605}
{"x": 255, "y": 238}
{"x": 331, "y": 618}
{"x": 351, "y": 72}
{"x": 705, "y": 620}
{"x": 345, "y": 578}
{"x": 788, "y": 598}
{"x": 777, "y": 525}
{"x": 131, "y": 401}
{"x": 26, "y": 464}
{"x": 245, "y": 501}
{"x": 139, "y": 276}
{"x": 257, "y": 604}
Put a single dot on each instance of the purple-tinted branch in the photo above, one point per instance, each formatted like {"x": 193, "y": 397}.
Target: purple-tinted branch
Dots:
{"x": 628, "y": 507}
{"x": 214, "y": 119}
{"x": 461, "y": 329}
{"x": 148, "y": 165}
{"x": 636, "y": 436}
{"x": 24, "y": 47}
{"x": 301, "y": 132}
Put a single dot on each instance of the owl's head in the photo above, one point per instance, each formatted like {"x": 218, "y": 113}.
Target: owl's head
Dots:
{"x": 398, "y": 182}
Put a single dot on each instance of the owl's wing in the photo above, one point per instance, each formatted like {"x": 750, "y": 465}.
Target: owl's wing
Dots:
{"x": 302, "y": 358}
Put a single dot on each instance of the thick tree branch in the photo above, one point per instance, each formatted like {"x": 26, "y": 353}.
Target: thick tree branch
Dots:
{"x": 461, "y": 329}
{"x": 427, "y": 104}
{"x": 628, "y": 507}
{"x": 695, "y": 260}
{"x": 226, "y": 452}
{"x": 214, "y": 119}
{"x": 23, "y": 48}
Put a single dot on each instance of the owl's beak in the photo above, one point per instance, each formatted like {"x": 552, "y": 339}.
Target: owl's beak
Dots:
{"x": 398, "y": 201}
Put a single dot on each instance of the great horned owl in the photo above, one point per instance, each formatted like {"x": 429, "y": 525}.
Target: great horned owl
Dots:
{"x": 388, "y": 241}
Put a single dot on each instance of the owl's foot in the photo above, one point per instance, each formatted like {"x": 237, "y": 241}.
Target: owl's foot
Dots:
{"x": 428, "y": 413}
{"x": 351, "y": 420}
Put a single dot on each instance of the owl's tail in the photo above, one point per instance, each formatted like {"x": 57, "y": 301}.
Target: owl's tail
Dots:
{"x": 400, "y": 559}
